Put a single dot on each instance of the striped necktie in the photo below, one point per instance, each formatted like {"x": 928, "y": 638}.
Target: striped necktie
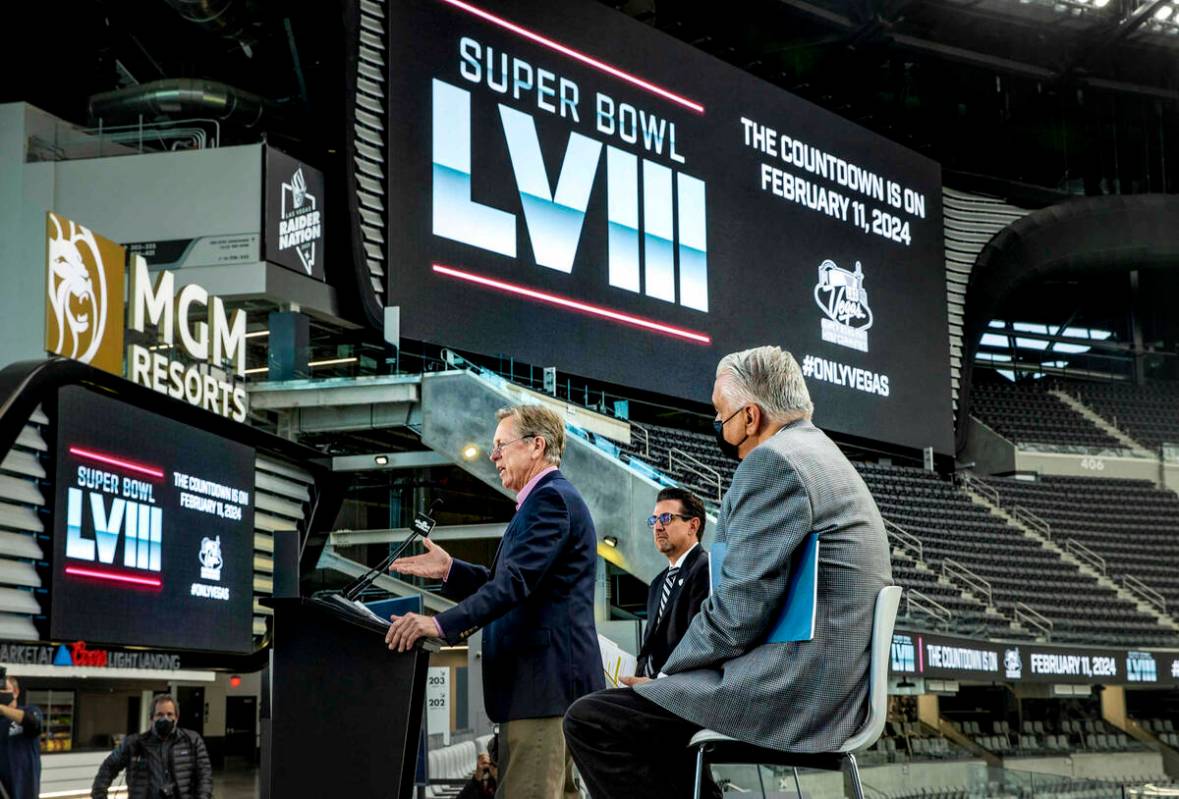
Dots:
{"x": 668, "y": 582}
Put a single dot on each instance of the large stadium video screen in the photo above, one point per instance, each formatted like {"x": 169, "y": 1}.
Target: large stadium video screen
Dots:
{"x": 574, "y": 188}
{"x": 153, "y": 530}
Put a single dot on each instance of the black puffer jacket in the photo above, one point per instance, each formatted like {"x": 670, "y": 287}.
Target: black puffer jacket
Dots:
{"x": 183, "y": 754}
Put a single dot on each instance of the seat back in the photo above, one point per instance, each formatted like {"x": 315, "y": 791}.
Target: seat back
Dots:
{"x": 883, "y": 620}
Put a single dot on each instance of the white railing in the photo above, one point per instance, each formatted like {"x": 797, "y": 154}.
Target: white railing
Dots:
{"x": 635, "y": 428}
{"x": 905, "y": 539}
{"x": 1032, "y": 520}
{"x": 1153, "y": 597}
{"x": 677, "y": 457}
{"x": 987, "y": 491}
{"x": 1082, "y": 552}
{"x": 953, "y": 570}
{"x": 915, "y": 600}
{"x": 1025, "y": 614}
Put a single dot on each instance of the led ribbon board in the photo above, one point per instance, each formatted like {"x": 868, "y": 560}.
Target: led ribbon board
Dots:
{"x": 575, "y": 188}
{"x": 153, "y": 530}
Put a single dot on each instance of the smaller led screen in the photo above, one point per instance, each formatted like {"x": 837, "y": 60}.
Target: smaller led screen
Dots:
{"x": 153, "y": 530}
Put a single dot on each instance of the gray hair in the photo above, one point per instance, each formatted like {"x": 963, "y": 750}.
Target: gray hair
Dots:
{"x": 537, "y": 420}
{"x": 768, "y": 377}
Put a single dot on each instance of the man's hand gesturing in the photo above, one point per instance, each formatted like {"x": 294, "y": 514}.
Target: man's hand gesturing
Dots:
{"x": 433, "y": 563}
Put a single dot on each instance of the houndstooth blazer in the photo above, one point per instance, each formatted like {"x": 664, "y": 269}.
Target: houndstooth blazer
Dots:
{"x": 806, "y": 696}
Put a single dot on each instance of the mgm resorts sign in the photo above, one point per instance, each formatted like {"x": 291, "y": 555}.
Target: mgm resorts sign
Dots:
{"x": 86, "y": 317}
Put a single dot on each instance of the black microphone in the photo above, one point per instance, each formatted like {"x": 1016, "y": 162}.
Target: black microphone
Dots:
{"x": 423, "y": 525}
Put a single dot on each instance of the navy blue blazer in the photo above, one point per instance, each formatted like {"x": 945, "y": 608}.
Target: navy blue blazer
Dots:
{"x": 535, "y": 606}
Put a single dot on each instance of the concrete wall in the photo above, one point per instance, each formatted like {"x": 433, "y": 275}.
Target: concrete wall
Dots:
{"x": 1079, "y": 465}
{"x": 990, "y": 452}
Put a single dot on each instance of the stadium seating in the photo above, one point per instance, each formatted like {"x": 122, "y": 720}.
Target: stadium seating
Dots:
{"x": 951, "y": 526}
{"x": 1030, "y": 415}
{"x": 1018, "y": 569}
{"x": 1149, "y": 414}
{"x": 1129, "y": 523}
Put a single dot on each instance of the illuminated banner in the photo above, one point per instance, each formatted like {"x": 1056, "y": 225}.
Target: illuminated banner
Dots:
{"x": 945, "y": 657}
{"x": 154, "y": 530}
{"x": 579, "y": 190}
{"x": 293, "y": 215}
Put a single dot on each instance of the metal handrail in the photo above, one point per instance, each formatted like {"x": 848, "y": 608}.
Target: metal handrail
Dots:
{"x": 646, "y": 438}
{"x": 1152, "y": 596}
{"x": 990, "y": 492}
{"x": 906, "y": 539}
{"x": 697, "y": 466}
{"x": 952, "y": 569}
{"x": 1076, "y": 548}
{"x": 1032, "y": 520}
{"x": 927, "y": 604}
{"x": 1026, "y": 613}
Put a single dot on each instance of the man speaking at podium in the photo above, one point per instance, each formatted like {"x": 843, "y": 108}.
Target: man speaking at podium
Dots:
{"x": 535, "y": 603}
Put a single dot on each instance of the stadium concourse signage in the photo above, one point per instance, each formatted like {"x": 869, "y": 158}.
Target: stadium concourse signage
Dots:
{"x": 87, "y": 316}
{"x": 571, "y": 184}
{"x": 969, "y": 660}
{"x": 293, "y": 216}
{"x": 81, "y": 654}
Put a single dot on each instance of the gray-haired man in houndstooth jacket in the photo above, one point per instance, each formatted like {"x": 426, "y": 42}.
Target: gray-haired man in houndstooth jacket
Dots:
{"x": 803, "y": 696}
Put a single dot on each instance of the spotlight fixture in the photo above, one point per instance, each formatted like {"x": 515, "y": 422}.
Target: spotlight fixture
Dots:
{"x": 610, "y": 541}
{"x": 382, "y": 460}
{"x": 470, "y": 452}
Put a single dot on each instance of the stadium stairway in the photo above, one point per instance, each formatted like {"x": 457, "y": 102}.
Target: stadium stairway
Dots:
{"x": 457, "y": 408}
{"x": 1035, "y": 529}
{"x": 1101, "y": 422}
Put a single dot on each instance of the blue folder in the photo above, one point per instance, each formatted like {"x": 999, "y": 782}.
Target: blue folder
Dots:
{"x": 796, "y": 621}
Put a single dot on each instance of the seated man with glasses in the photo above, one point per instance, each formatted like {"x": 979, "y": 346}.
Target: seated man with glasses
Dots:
{"x": 677, "y": 592}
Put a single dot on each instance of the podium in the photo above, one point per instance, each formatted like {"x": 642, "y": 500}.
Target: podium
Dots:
{"x": 345, "y": 712}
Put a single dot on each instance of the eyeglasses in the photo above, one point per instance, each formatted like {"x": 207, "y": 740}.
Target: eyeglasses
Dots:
{"x": 665, "y": 518}
{"x": 498, "y": 449}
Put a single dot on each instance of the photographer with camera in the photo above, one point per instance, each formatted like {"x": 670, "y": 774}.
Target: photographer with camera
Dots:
{"x": 20, "y": 746}
{"x": 166, "y": 762}
{"x": 486, "y": 777}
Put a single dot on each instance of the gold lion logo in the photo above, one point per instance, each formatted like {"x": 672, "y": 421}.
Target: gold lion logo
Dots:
{"x": 84, "y": 284}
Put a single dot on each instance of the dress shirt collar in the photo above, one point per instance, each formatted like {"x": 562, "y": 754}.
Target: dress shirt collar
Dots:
{"x": 680, "y": 560}
{"x": 531, "y": 484}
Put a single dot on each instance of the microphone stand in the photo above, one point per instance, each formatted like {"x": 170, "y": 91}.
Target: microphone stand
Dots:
{"x": 423, "y": 525}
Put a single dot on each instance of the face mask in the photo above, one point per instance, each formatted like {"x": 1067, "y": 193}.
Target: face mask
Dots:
{"x": 6, "y": 697}
{"x": 727, "y": 449}
{"x": 164, "y": 727}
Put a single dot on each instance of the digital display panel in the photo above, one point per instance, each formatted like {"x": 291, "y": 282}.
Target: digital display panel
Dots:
{"x": 153, "y": 530}
{"x": 574, "y": 188}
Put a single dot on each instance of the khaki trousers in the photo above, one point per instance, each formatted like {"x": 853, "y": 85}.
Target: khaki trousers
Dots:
{"x": 533, "y": 761}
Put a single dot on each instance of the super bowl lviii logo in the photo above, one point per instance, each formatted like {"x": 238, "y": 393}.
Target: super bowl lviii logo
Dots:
{"x": 84, "y": 306}
{"x": 841, "y": 296}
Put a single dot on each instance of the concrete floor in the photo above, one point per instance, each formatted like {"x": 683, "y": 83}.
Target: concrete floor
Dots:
{"x": 236, "y": 781}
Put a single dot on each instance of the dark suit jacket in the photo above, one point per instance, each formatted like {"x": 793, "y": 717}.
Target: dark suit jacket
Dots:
{"x": 687, "y": 595}
{"x": 535, "y": 605}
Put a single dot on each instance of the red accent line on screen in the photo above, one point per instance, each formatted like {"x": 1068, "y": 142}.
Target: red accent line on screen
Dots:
{"x": 115, "y": 577}
{"x": 576, "y": 305}
{"x": 122, "y": 463}
{"x": 577, "y": 56}
{"x": 920, "y": 655}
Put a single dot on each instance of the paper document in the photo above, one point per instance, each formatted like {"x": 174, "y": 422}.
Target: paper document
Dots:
{"x": 357, "y": 606}
{"x": 615, "y": 662}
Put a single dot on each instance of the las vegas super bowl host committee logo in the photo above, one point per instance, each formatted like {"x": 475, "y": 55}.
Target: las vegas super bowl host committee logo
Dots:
{"x": 841, "y": 296}
{"x": 84, "y": 306}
